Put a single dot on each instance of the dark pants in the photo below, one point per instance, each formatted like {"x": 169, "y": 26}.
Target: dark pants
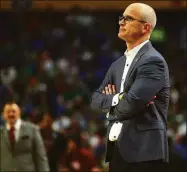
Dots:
{"x": 117, "y": 164}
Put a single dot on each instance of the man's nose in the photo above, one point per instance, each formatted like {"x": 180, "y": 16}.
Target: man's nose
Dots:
{"x": 122, "y": 22}
{"x": 11, "y": 113}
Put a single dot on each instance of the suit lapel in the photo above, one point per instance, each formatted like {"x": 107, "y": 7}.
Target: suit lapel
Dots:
{"x": 136, "y": 59}
{"x": 6, "y": 137}
{"x": 119, "y": 71}
{"x": 21, "y": 131}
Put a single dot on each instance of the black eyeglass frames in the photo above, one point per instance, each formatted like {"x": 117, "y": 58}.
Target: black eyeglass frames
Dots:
{"x": 129, "y": 19}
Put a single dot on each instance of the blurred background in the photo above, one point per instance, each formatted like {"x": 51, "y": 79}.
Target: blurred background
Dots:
{"x": 54, "y": 54}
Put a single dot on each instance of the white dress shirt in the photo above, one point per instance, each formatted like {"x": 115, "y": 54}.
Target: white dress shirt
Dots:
{"x": 130, "y": 55}
{"x": 17, "y": 127}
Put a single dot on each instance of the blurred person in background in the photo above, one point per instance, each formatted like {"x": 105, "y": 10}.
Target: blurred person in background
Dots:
{"x": 59, "y": 146}
{"x": 137, "y": 138}
{"x": 46, "y": 130}
{"x": 22, "y": 147}
{"x": 48, "y": 138}
{"x": 77, "y": 158}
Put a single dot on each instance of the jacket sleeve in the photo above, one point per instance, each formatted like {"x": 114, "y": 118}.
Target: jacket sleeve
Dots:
{"x": 100, "y": 101}
{"x": 149, "y": 80}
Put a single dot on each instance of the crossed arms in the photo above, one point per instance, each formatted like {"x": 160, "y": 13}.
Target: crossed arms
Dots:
{"x": 149, "y": 80}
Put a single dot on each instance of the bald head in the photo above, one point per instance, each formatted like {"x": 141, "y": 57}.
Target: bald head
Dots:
{"x": 145, "y": 12}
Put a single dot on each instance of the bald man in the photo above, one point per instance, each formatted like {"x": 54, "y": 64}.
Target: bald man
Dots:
{"x": 21, "y": 145}
{"x": 135, "y": 96}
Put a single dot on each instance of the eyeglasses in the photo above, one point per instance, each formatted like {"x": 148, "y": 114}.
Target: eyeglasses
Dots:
{"x": 129, "y": 19}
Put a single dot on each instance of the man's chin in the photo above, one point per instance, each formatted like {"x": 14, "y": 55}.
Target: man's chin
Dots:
{"x": 121, "y": 36}
{"x": 11, "y": 121}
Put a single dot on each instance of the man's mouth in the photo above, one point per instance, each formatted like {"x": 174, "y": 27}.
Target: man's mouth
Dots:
{"x": 11, "y": 117}
{"x": 122, "y": 29}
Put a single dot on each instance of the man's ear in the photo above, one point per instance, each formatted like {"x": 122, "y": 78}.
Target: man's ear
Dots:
{"x": 147, "y": 28}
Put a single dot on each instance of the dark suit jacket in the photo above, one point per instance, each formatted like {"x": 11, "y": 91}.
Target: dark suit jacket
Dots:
{"x": 28, "y": 153}
{"x": 143, "y": 135}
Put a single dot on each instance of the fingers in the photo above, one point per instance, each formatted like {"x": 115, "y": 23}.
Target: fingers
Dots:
{"x": 106, "y": 90}
{"x": 113, "y": 89}
{"x": 109, "y": 89}
{"x": 151, "y": 102}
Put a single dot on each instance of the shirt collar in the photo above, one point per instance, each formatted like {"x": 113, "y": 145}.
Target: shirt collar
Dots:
{"x": 132, "y": 53}
{"x": 17, "y": 125}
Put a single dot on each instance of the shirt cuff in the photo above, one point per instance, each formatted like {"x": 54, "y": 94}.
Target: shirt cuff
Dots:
{"x": 115, "y": 100}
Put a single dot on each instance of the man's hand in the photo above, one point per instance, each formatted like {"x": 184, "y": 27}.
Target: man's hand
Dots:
{"x": 110, "y": 89}
{"x": 151, "y": 102}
